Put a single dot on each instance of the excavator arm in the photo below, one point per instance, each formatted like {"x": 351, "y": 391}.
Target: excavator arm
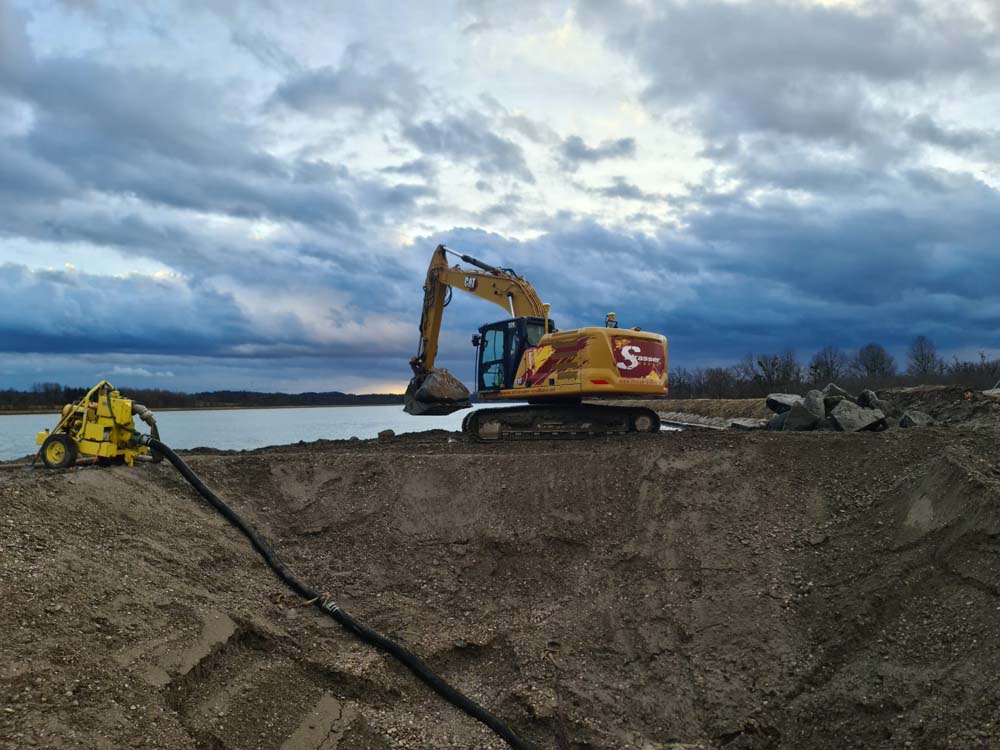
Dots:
{"x": 500, "y": 286}
{"x": 435, "y": 391}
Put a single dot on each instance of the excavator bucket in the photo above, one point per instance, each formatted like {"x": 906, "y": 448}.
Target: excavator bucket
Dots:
{"x": 435, "y": 393}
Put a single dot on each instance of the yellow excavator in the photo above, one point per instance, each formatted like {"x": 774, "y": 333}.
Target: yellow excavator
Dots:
{"x": 525, "y": 358}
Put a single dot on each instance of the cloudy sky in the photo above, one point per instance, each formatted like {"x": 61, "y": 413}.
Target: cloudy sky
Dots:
{"x": 199, "y": 195}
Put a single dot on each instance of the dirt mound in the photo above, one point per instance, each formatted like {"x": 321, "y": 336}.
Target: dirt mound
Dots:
{"x": 682, "y": 590}
{"x": 948, "y": 404}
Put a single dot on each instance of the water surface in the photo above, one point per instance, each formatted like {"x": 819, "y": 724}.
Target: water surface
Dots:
{"x": 244, "y": 429}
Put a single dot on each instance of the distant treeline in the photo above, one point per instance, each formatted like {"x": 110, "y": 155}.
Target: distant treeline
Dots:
{"x": 54, "y": 396}
{"x": 871, "y": 366}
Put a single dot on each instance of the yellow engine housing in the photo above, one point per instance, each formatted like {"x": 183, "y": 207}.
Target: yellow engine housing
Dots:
{"x": 590, "y": 362}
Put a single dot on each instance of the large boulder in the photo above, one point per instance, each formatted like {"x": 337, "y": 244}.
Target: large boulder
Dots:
{"x": 435, "y": 393}
{"x": 814, "y": 403}
{"x": 799, "y": 418}
{"x": 780, "y": 403}
{"x": 853, "y": 418}
{"x": 777, "y": 422}
{"x": 830, "y": 402}
{"x": 870, "y": 400}
{"x": 866, "y": 398}
{"x": 832, "y": 389}
{"x": 833, "y": 394}
{"x": 914, "y": 418}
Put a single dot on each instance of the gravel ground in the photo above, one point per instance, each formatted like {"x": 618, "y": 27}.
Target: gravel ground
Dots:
{"x": 696, "y": 589}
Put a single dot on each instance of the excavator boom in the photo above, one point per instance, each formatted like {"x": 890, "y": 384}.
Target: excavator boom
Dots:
{"x": 500, "y": 286}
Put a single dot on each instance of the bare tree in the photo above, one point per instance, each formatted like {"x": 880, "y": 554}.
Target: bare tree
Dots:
{"x": 680, "y": 383}
{"x": 873, "y": 362}
{"x": 982, "y": 374}
{"x": 719, "y": 382}
{"x": 828, "y": 365}
{"x": 777, "y": 371}
{"x": 746, "y": 369}
{"x": 924, "y": 360}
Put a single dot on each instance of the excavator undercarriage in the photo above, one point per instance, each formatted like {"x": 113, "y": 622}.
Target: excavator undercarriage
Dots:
{"x": 535, "y": 421}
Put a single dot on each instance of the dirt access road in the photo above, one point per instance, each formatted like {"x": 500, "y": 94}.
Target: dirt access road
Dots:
{"x": 682, "y": 590}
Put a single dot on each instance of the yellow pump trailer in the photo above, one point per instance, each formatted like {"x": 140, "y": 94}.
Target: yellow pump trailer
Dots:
{"x": 100, "y": 425}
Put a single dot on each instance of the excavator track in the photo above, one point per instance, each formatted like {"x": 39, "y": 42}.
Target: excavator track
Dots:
{"x": 534, "y": 422}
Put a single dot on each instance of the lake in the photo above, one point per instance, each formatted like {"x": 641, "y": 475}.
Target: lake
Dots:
{"x": 239, "y": 429}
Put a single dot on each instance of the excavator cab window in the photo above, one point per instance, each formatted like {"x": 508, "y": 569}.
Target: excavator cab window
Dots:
{"x": 491, "y": 359}
{"x": 501, "y": 346}
{"x": 536, "y": 329}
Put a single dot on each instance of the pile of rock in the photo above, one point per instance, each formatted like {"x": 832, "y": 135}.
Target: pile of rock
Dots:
{"x": 833, "y": 408}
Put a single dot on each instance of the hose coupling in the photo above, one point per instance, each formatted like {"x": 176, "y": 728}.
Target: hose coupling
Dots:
{"x": 144, "y": 413}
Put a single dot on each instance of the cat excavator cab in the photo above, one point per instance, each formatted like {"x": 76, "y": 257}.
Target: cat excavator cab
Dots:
{"x": 524, "y": 357}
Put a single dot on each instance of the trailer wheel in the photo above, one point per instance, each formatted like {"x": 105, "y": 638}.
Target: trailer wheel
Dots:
{"x": 59, "y": 451}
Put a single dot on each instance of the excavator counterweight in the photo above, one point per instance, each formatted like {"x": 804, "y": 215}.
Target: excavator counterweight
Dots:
{"x": 525, "y": 358}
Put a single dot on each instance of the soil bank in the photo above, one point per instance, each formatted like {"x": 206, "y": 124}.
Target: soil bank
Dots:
{"x": 682, "y": 590}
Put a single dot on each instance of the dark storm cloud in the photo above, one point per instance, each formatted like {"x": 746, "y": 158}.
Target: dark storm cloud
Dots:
{"x": 509, "y": 205}
{"x": 47, "y": 311}
{"x": 16, "y": 56}
{"x": 926, "y": 129}
{"x": 530, "y": 128}
{"x": 53, "y": 311}
{"x": 825, "y": 99}
{"x": 748, "y": 274}
{"x": 362, "y": 82}
{"x": 23, "y": 176}
{"x": 816, "y": 221}
{"x": 264, "y": 49}
{"x": 165, "y": 140}
{"x": 533, "y": 130}
{"x": 842, "y": 75}
{"x": 416, "y": 167}
{"x": 151, "y": 163}
{"x": 622, "y": 188}
{"x": 469, "y": 139}
{"x": 160, "y": 137}
{"x": 574, "y": 151}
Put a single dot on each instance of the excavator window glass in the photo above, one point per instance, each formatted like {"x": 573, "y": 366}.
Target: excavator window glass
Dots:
{"x": 492, "y": 346}
{"x": 491, "y": 360}
{"x": 499, "y": 353}
{"x": 535, "y": 333}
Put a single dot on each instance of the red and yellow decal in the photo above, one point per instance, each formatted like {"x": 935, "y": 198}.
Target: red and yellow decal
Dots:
{"x": 543, "y": 362}
{"x": 638, "y": 358}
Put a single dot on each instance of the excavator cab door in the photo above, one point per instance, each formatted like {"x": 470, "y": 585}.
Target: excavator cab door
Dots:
{"x": 498, "y": 342}
{"x": 501, "y": 346}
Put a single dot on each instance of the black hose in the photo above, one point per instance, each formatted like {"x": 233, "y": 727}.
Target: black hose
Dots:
{"x": 325, "y": 603}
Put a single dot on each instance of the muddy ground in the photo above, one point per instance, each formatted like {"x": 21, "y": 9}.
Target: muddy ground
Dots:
{"x": 682, "y": 590}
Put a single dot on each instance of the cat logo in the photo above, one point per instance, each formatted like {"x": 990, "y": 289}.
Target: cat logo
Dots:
{"x": 470, "y": 283}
